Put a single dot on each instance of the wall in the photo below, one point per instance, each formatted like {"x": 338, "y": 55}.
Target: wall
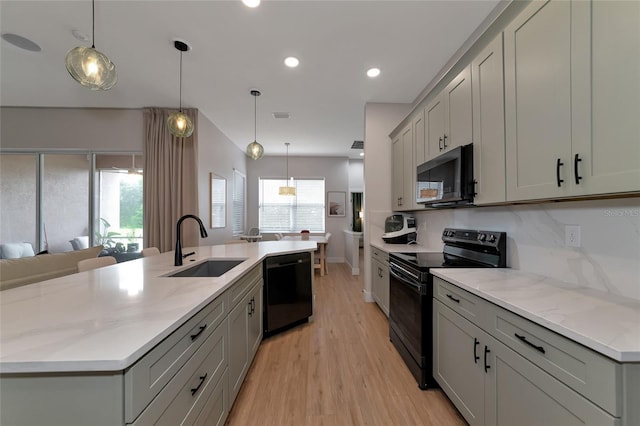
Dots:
{"x": 86, "y": 129}
{"x": 216, "y": 154}
{"x": 380, "y": 119}
{"x": 335, "y": 170}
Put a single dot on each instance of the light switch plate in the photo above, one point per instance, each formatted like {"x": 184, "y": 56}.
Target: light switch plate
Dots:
{"x": 572, "y": 235}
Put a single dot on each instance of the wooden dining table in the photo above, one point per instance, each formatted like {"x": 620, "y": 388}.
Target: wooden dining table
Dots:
{"x": 322, "y": 242}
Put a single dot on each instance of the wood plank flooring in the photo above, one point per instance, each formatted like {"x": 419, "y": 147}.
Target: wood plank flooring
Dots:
{"x": 340, "y": 369}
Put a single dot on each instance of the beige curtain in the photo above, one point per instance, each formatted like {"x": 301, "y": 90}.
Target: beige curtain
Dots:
{"x": 170, "y": 181}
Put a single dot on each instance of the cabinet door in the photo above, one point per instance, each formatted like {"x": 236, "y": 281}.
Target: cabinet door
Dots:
{"x": 520, "y": 393}
{"x": 435, "y": 121}
{"x": 458, "y": 362}
{"x": 488, "y": 124}
{"x": 409, "y": 170}
{"x": 380, "y": 285}
{"x": 459, "y": 111}
{"x": 255, "y": 322}
{"x": 538, "y": 101}
{"x": 419, "y": 138}
{"x": 611, "y": 153}
{"x": 398, "y": 173}
{"x": 239, "y": 344}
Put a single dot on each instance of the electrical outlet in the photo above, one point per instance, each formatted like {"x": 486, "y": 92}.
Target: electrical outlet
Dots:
{"x": 572, "y": 235}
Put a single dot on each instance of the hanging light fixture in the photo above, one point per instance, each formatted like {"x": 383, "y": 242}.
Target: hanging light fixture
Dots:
{"x": 133, "y": 170}
{"x": 254, "y": 149}
{"x": 179, "y": 123}
{"x": 90, "y": 67}
{"x": 287, "y": 190}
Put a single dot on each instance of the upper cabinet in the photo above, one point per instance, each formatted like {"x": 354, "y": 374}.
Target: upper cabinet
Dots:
{"x": 449, "y": 116}
{"x": 572, "y": 99}
{"x": 404, "y": 170}
{"x": 488, "y": 124}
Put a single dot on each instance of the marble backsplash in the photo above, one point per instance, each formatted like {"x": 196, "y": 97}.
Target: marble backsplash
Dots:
{"x": 609, "y": 256}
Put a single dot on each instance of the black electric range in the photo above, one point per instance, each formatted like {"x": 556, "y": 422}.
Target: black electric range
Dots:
{"x": 411, "y": 291}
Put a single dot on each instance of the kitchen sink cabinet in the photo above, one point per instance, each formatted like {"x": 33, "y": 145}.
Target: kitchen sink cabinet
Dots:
{"x": 488, "y": 124}
{"x": 571, "y": 129}
{"x": 380, "y": 278}
{"x": 501, "y": 369}
{"x": 245, "y": 334}
{"x": 449, "y": 116}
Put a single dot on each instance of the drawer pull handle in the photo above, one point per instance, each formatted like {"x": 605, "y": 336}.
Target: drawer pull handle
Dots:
{"x": 476, "y": 342}
{"x": 195, "y": 336}
{"x": 524, "y": 340}
{"x": 197, "y": 388}
{"x": 486, "y": 365}
{"x": 453, "y": 298}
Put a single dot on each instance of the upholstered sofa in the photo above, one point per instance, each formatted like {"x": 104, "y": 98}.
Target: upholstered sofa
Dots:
{"x": 27, "y": 270}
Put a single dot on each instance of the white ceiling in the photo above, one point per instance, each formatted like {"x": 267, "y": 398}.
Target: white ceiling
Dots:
{"x": 235, "y": 49}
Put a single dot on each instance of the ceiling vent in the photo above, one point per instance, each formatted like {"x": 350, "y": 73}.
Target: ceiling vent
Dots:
{"x": 281, "y": 115}
{"x": 357, "y": 145}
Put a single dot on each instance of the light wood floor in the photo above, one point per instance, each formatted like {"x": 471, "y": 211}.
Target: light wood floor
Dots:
{"x": 340, "y": 369}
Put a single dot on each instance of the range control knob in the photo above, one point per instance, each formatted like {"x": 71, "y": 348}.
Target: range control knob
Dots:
{"x": 481, "y": 237}
{"x": 491, "y": 238}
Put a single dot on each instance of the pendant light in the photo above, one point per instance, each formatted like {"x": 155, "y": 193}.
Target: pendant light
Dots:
{"x": 179, "y": 123}
{"x": 90, "y": 67}
{"x": 287, "y": 190}
{"x": 254, "y": 149}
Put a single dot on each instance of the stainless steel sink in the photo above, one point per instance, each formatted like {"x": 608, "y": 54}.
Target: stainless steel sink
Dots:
{"x": 209, "y": 268}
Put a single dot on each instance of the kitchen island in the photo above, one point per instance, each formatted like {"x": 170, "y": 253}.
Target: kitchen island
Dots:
{"x": 78, "y": 338}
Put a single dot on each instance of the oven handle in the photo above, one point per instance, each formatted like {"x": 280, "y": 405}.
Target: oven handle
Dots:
{"x": 417, "y": 287}
{"x": 400, "y": 268}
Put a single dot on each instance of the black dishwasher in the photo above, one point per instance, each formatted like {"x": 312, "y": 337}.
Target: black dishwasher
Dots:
{"x": 288, "y": 300}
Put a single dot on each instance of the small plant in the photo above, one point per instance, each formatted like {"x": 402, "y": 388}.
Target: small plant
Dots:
{"x": 104, "y": 237}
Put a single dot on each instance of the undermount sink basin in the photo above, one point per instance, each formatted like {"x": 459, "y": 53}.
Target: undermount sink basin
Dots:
{"x": 209, "y": 268}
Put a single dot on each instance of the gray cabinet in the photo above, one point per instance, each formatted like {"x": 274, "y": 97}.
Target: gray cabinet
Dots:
{"x": 404, "y": 171}
{"x": 449, "y": 116}
{"x": 571, "y": 99}
{"x": 245, "y": 334}
{"x": 380, "y": 278}
{"x": 500, "y": 369}
{"x": 488, "y": 124}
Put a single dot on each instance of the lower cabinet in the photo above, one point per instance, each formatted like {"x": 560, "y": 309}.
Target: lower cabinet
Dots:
{"x": 492, "y": 384}
{"x": 245, "y": 334}
{"x": 380, "y": 278}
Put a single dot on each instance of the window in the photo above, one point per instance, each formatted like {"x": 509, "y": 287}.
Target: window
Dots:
{"x": 283, "y": 213}
{"x": 238, "y": 202}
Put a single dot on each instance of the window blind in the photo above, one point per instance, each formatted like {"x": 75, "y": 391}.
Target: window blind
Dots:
{"x": 282, "y": 213}
{"x": 239, "y": 202}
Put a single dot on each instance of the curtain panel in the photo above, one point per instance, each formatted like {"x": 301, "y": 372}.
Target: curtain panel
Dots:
{"x": 170, "y": 181}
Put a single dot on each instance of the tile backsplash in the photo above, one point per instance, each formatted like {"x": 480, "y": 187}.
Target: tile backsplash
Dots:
{"x": 609, "y": 256}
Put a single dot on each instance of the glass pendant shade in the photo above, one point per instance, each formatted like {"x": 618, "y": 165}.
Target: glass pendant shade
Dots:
{"x": 255, "y": 150}
{"x": 91, "y": 68}
{"x": 180, "y": 125}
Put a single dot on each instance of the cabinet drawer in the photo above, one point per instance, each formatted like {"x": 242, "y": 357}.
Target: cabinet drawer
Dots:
{"x": 380, "y": 255}
{"x": 188, "y": 393}
{"x": 242, "y": 287}
{"x": 470, "y": 306}
{"x": 592, "y": 375}
{"x": 146, "y": 378}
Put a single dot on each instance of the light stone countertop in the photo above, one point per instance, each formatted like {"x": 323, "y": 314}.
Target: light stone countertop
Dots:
{"x": 108, "y": 318}
{"x": 604, "y": 322}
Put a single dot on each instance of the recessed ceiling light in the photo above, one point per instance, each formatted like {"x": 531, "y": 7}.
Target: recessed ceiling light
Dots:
{"x": 251, "y": 3}
{"x": 291, "y": 61}
{"x": 373, "y": 72}
{"x": 21, "y": 42}
{"x": 362, "y": 154}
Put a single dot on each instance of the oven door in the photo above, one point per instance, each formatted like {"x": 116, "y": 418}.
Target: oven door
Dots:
{"x": 407, "y": 307}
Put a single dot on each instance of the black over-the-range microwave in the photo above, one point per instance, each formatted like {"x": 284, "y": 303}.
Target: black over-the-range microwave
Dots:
{"x": 447, "y": 180}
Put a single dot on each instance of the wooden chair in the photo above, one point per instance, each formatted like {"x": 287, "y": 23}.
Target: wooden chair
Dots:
{"x": 150, "y": 251}
{"x": 95, "y": 262}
